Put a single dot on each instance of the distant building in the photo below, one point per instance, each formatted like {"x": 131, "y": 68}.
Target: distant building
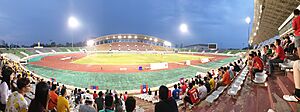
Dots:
{"x": 198, "y": 47}
{"x": 201, "y": 47}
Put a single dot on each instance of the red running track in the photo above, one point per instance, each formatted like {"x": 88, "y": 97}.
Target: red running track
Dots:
{"x": 55, "y": 63}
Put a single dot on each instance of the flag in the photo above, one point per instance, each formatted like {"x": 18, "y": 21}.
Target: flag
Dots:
{"x": 144, "y": 88}
{"x": 52, "y": 79}
{"x": 94, "y": 87}
{"x": 181, "y": 80}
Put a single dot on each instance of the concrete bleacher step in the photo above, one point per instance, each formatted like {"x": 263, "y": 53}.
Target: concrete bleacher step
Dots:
{"x": 287, "y": 87}
{"x": 281, "y": 85}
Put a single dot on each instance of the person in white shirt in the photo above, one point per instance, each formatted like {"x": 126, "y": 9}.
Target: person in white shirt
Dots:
{"x": 202, "y": 90}
{"x": 5, "y": 86}
{"x": 16, "y": 101}
{"x": 89, "y": 105}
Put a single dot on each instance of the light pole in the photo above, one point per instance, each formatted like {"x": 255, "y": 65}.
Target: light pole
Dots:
{"x": 73, "y": 23}
{"x": 248, "y": 21}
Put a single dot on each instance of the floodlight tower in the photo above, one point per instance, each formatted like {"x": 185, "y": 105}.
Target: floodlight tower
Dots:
{"x": 248, "y": 21}
{"x": 73, "y": 23}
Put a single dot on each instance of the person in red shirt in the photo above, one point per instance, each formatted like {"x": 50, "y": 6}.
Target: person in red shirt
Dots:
{"x": 257, "y": 64}
{"x": 296, "y": 28}
{"x": 53, "y": 97}
{"x": 125, "y": 96}
{"x": 226, "y": 78}
{"x": 191, "y": 96}
{"x": 95, "y": 95}
{"x": 296, "y": 67}
{"x": 278, "y": 56}
{"x": 183, "y": 88}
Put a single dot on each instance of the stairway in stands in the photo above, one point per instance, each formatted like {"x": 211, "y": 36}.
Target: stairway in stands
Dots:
{"x": 256, "y": 97}
{"x": 280, "y": 85}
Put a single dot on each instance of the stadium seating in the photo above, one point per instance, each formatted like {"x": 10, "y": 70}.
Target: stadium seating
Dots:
{"x": 233, "y": 90}
{"x": 130, "y": 46}
{"x": 287, "y": 65}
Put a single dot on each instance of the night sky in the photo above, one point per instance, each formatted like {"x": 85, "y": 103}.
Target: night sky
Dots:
{"x": 208, "y": 21}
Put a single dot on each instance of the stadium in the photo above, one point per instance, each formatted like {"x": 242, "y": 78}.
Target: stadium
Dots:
{"x": 129, "y": 62}
{"x": 145, "y": 70}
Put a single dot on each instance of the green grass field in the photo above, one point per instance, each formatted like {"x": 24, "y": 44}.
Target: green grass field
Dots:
{"x": 134, "y": 59}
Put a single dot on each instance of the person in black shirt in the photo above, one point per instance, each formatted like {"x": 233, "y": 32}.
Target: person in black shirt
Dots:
{"x": 41, "y": 99}
{"x": 99, "y": 101}
{"x": 236, "y": 67}
{"x": 207, "y": 85}
{"x": 130, "y": 104}
{"x": 166, "y": 103}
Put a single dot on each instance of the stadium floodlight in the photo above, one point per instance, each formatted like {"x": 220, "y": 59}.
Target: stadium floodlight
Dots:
{"x": 183, "y": 28}
{"x": 155, "y": 40}
{"x": 135, "y": 37}
{"x": 166, "y": 43}
{"x": 248, "y": 20}
{"x": 90, "y": 43}
{"x": 73, "y": 22}
{"x": 119, "y": 37}
{"x": 150, "y": 38}
{"x": 114, "y": 37}
{"x": 129, "y": 37}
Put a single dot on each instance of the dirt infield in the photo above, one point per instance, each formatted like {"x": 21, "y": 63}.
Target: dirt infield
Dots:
{"x": 56, "y": 63}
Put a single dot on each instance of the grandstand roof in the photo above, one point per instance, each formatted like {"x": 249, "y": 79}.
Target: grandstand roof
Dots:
{"x": 196, "y": 45}
{"x": 268, "y": 16}
{"x": 127, "y": 36}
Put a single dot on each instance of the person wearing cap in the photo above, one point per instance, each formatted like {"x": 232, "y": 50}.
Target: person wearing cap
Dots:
{"x": 88, "y": 105}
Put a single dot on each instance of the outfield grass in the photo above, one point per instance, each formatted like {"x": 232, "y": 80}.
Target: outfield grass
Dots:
{"x": 134, "y": 59}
